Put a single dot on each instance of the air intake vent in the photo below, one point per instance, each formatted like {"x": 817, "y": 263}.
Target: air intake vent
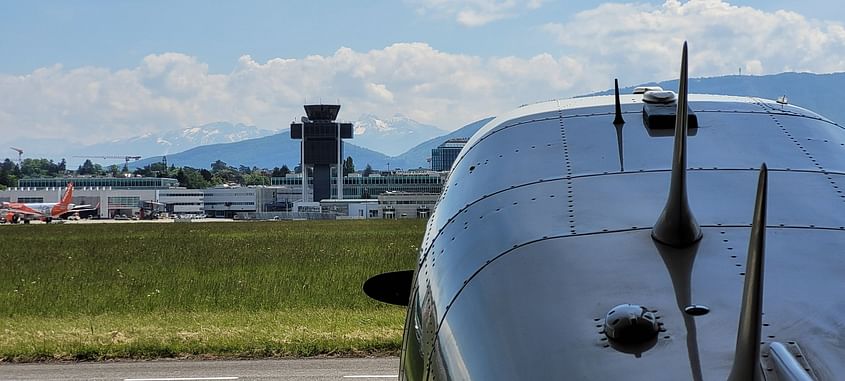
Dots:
{"x": 659, "y": 108}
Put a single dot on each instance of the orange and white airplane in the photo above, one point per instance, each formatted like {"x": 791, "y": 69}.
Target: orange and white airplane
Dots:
{"x": 14, "y": 212}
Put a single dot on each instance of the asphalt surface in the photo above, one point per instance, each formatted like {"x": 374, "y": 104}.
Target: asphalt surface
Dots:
{"x": 357, "y": 369}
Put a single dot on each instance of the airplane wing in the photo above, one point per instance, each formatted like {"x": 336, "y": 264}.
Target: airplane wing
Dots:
{"x": 82, "y": 208}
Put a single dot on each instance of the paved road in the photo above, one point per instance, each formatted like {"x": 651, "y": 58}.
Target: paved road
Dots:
{"x": 358, "y": 369}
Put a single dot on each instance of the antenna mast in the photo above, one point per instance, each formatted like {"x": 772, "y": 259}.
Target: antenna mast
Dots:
{"x": 20, "y": 154}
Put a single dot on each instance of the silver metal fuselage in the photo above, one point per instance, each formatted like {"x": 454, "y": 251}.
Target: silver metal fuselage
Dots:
{"x": 545, "y": 225}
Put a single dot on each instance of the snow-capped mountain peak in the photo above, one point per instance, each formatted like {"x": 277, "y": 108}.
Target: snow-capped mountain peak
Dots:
{"x": 173, "y": 141}
{"x": 391, "y": 136}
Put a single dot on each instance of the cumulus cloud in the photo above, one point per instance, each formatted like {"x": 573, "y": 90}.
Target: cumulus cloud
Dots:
{"x": 172, "y": 90}
{"x": 380, "y": 91}
{"x": 635, "y": 42}
{"x": 473, "y": 13}
{"x": 642, "y": 41}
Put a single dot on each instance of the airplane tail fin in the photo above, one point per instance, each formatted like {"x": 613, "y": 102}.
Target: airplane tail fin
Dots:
{"x": 68, "y": 196}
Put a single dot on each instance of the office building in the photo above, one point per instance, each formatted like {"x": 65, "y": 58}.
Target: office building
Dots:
{"x": 445, "y": 154}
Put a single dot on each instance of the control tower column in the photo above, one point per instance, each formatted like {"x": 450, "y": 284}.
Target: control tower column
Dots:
{"x": 322, "y": 145}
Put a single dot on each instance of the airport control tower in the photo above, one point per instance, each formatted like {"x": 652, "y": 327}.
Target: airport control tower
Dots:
{"x": 322, "y": 147}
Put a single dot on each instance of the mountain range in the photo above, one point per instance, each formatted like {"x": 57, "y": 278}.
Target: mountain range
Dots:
{"x": 821, "y": 93}
{"x": 278, "y": 149}
{"x": 169, "y": 142}
{"x": 391, "y": 136}
{"x": 396, "y": 142}
{"x": 400, "y": 142}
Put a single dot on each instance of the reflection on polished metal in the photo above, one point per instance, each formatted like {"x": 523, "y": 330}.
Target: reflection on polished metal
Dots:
{"x": 620, "y": 147}
{"x": 676, "y": 225}
{"x": 525, "y": 255}
{"x": 786, "y": 365}
{"x": 680, "y": 263}
{"x": 630, "y": 324}
{"x": 636, "y": 349}
{"x": 746, "y": 365}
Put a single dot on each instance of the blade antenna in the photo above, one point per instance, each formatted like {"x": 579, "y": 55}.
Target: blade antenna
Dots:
{"x": 618, "y": 123}
{"x": 618, "y": 119}
{"x": 747, "y": 356}
{"x": 677, "y": 226}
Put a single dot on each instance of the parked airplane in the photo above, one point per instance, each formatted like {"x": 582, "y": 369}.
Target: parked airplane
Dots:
{"x": 558, "y": 252}
{"x": 15, "y": 212}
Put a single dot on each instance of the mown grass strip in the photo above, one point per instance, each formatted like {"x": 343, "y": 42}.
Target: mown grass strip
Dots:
{"x": 303, "y": 332}
{"x": 204, "y": 289}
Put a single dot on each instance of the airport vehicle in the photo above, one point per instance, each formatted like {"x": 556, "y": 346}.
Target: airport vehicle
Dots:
{"x": 627, "y": 237}
{"x": 14, "y": 212}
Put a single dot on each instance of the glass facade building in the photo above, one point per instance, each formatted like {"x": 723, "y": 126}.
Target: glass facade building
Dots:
{"x": 445, "y": 154}
{"x": 31, "y": 199}
{"x": 128, "y": 202}
{"x": 107, "y": 182}
{"x": 360, "y": 187}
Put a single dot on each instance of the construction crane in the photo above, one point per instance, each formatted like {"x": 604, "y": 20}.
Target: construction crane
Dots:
{"x": 20, "y": 155}
{"x": 125, "y": 158}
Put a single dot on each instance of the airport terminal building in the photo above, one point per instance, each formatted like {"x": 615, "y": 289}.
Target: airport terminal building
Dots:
{"x": 411, "y": 194}
{"x": 130, "y": 196}
{"x": 356, "y": 186}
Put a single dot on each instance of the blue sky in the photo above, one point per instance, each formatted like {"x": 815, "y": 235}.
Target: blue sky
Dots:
{"x": 99, "y": 70}
{"x": 118, "y": 34}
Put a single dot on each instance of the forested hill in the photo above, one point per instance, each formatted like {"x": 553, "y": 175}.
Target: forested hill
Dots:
{"x": 821, "y": 93}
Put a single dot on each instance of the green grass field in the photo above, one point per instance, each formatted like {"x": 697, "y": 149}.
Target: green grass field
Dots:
{"x": 97, "y": 291}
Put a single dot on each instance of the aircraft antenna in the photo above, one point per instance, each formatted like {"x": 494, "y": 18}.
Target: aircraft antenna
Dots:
{"x": 747, "y": 356}
{"x": 677, "y": 226}
{"x": 618, "y": 123}
{"x": 618, "y": 119}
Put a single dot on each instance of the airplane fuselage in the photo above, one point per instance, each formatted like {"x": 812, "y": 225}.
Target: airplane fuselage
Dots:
{"x": 16, "y": 211}
{"x": 545, "y": 226}
{"x": 44, "y": 209}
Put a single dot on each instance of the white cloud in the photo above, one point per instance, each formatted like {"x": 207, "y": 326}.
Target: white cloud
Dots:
{"x": 634, "y": 42}
{"x": 641, "y": 42}
{"x": 380, "y": 91}
{"x": 172, "y": 90}
{"x": 473, "y": 13}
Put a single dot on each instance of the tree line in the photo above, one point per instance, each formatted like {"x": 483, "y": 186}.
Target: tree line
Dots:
{"x": 10, "y": 171}
{"x": 193, "y": 178}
